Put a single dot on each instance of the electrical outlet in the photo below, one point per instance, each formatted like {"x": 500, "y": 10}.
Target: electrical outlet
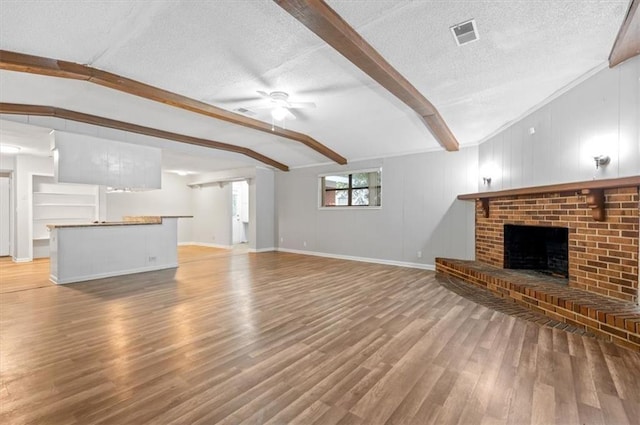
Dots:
{"x": 152, "y": 258}
{"x": 304, "y": 244}
{"x": 419, "y": 254}
{"x": 281, "y": 239}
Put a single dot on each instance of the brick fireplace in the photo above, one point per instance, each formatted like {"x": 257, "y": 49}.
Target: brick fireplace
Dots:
{"x": 603, "y": 255}
{"x": 596, "y": 223}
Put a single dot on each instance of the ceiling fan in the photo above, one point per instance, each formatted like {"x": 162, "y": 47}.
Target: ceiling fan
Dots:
{"x": 279, "y": 105}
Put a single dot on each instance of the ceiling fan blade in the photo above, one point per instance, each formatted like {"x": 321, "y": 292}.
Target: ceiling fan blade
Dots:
{"x": 290, "y": 115}
{"x": 302, "y": 105}
{"x": 264, "y": 94}
{"x": 265, "y": 106}
{"x": 230, "y": 99}
{"x": 336, "y": 87}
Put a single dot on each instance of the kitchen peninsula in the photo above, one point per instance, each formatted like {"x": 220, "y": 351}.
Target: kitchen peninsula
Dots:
{"x": 81, "y": 252}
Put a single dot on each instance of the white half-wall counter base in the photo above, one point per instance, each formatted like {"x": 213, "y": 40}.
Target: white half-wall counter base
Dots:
{"x": 95, "y": 251}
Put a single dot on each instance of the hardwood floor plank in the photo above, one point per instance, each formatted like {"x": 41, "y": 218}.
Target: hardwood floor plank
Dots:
{"x": 613, "y": 410}
{"x": 566, "y": 404}
{"x": 416, "y": 396}
{"x": 543, "y": 405}
{"x": 284, "y": 338}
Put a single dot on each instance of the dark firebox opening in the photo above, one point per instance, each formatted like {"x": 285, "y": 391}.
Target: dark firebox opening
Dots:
{"x": 543, "y": 249}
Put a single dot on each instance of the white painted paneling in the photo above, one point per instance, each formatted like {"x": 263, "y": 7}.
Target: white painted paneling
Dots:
{"x": 629, "y": 148}
{"x": 601, "y": 115}
{"x": 91, "y": 160}
{"x": 419, "y": 210}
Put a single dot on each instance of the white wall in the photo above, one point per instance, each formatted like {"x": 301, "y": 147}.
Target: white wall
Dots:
{"x": 173, "y": 199}
{"x": 599, "y": 115}
{"x": 419, "y": 211}
{"x": 264, "y": 206}
{"x": 212, "y": 214}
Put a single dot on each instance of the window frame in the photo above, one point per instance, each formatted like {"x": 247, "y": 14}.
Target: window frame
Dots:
{"x": 349, "y": 174}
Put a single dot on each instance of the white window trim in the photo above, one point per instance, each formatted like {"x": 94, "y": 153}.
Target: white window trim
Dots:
{"x": 346, "y": 207}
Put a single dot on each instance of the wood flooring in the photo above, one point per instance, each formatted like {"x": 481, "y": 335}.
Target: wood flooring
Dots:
{"x": 278, "y": 338}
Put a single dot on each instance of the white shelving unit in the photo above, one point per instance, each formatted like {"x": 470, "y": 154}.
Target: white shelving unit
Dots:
{"x": 58, "y": 203}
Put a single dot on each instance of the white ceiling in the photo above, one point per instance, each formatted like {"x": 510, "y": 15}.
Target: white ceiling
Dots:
{"x": 223, "y": 51}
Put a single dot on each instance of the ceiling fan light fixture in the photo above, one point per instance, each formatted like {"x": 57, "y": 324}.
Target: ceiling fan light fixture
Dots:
{"x": 279, "y": 113}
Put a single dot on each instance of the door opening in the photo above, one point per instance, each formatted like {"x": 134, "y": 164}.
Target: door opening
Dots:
{"x": 5, "y": 215}
{"x": 240, "y": 214}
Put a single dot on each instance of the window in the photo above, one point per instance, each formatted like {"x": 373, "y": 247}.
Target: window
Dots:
{"x": 358, "y": 189}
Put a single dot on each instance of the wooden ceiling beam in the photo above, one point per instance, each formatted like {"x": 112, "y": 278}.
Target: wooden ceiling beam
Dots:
{"x": 335, "y": 31}
{"x": 50, "y": 111}
{"x": 13, "y": 61}
{"x": 627, "y": 44}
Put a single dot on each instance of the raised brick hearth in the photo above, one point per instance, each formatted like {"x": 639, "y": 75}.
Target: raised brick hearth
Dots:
{"x": 611, "y": 319}
{"x": 603, "y": 225}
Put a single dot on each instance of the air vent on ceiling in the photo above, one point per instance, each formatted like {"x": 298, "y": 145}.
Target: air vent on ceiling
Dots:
{"x": 245, "y": 111}
{"x": 465, "y": 32}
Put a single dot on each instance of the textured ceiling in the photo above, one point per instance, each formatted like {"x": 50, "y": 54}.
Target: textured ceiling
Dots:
{"x": 223, "y": 51}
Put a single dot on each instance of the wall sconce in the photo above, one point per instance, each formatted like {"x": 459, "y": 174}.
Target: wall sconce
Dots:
{"x": 488, "y": 171}
{"x": 601, "y": 160}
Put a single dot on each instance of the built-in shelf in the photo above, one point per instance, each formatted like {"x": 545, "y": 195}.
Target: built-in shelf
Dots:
{"x": 593, "y": 190}
{"x": 55, "y": 203}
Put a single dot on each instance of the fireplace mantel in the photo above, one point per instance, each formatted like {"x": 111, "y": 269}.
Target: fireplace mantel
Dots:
{"x": 592, "y": 189}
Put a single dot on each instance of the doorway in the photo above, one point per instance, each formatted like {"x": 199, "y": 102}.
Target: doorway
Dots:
{"x": 240, "y": 214}
{"x": 5, "y": 214}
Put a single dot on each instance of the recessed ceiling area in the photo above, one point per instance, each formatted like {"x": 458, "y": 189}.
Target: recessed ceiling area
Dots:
{"x": 223, "y": 52}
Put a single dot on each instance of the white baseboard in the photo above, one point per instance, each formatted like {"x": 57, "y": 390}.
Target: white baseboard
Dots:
{"x": 431, "y": 267}
{"x": 263, "y": 249}
{"x": 207, "y": 244}
{"x": 21, "y": 260}
{"x": 55, "y": 279}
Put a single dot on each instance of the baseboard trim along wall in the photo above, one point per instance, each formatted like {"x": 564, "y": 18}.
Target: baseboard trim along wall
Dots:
{"x": 431, "y": 267}
{"x": 91, "y": 277}
{"x": 21, "y": 260}
{"x": 254, "y": 250}
{"x": 207, "y": 244}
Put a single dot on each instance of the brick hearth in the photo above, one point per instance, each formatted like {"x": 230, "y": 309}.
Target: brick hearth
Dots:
{"x": 614, "y": 320}
{"x": 603, "y": 222}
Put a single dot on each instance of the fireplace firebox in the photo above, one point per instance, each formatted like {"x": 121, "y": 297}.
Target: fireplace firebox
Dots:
{"x": 542, "y": 249}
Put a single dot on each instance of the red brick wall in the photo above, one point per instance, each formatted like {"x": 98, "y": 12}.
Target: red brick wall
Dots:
{"x": 603, "y": 255}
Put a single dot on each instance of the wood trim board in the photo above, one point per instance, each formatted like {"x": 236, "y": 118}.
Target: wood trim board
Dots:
{"x": 50, "y": 111}
{"x": 322, "y": 20}
{"x": 627, "y": 44}
{"x": 563, "y": 187}
{"x": 20, "y": 62}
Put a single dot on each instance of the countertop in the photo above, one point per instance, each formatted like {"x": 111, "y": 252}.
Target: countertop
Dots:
{"x": 126, "y": 221}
